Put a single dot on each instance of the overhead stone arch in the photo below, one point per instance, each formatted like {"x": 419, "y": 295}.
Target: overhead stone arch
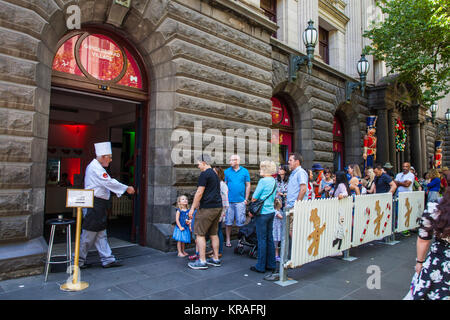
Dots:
{"x": 349, "y": 114}
{"x": 314, "y": 103}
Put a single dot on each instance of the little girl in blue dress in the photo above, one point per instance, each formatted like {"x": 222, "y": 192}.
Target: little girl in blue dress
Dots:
{"x": 181, "y": 232}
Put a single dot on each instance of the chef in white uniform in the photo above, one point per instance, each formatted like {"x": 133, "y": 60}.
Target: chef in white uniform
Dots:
{"x": 94, "y": 219}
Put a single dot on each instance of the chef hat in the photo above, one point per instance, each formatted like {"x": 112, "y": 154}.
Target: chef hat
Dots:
{"x": 102, "y": 148}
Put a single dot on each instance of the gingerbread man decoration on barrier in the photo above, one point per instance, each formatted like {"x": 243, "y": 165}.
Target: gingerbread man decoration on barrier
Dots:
{"x": 377, "y": 220}
{"x": 408, "y": 212}
{"x": 315, "y": 235}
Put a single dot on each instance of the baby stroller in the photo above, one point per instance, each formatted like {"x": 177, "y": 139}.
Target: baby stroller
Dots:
{"x": 247, "y": 238}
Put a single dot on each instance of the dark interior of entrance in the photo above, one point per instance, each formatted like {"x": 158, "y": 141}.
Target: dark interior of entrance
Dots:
{"x": 77, "y": 121}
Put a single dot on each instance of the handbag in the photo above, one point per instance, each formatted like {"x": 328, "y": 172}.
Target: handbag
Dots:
{"x": 255, "y": 206}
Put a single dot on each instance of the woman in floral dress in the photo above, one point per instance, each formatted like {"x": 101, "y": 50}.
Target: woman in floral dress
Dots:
{"x": 433, "y": 270}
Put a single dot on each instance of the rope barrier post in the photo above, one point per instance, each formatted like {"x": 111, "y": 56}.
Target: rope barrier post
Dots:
{"x": 283, "y": 279}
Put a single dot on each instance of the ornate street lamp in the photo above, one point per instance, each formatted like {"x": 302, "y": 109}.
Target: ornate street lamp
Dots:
{"x": 363, "y": 67}
{"x": 310, "y": 37}
{"x": 433, "y": 109}
{"x": 446, "y": 125}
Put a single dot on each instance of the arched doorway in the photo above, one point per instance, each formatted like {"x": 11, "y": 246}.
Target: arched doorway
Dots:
{"x": 338, "y": 144}
{"x": 282, "y": 121}
{"x": 99, "y": 93}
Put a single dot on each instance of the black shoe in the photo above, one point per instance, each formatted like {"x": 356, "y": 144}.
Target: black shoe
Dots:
{"x": 256, "y": 270}
{"x": 113, "y": 265}
{"x": 270, "y": 269}
{"x": 85, "y": 266}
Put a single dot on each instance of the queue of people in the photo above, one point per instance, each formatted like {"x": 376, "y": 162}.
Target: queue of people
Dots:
{"x": 222, "y": 196}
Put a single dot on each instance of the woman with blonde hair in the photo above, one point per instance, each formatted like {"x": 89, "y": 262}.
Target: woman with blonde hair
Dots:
{"x": 434, "y": 186}
{"x": 354, "y": 183}
{"x": 368, "y": 180}
{"x": 265, "y": 190}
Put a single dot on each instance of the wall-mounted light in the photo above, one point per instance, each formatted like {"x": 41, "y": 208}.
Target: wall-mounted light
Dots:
{"x": 310, "y": 37}
{"x": 433, "y": 109}
{"x": 446, "y": 125}
{"x": 363, "y": 67}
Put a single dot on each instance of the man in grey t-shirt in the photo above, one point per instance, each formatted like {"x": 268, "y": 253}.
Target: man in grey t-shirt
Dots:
{"x": 298, "y": 180}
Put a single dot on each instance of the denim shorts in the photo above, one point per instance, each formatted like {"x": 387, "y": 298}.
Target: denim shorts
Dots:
{"x": 236, "y": 212}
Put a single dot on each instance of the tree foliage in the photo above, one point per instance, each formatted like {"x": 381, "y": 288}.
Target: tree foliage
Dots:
{"x": 414, "y": 41}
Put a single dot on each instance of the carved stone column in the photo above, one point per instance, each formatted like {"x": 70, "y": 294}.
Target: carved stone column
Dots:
{"x": 382, "y": 136}
{"x": 416, "y": 146}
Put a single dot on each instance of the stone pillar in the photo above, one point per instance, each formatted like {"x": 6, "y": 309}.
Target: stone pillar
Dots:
{"x": 423, "y": 143}
{"x": 353, "y": 37}
{"x": 391, "y": 135}
{"x": 382, "y": 137}
{"x": 416, "y": 146}
{"x": 337, "y": 50}
{"x": 367, "y": 14}
{"x": 307, "y": 10}
{"x": 405, "y": 155}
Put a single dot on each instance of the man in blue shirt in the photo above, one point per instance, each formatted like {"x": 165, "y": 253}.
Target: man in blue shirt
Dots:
{"x": 237, "y": 179}
{"x": 297, "y": 183}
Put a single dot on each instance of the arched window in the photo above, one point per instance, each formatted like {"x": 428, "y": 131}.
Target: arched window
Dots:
{"x": 94, "y": 58}
{"x": 338, "y": 144}
{"x": 281, "y": 120}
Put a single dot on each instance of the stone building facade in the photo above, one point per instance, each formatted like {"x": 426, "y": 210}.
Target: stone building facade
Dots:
{"x": 215, "y": 61}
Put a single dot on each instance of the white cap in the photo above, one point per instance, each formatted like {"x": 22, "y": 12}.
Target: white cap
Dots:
{"x": 102, "y": 148}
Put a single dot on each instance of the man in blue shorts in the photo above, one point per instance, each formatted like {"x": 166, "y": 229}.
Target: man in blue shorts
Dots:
{"x": 237, "y": 179}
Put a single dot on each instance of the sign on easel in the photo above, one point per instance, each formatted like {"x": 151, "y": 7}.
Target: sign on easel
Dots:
{"x": 77, "y": 198}
{"x": 80, "y": 198}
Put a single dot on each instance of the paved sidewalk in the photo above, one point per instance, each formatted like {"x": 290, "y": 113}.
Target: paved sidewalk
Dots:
{"x": 151, "y": 274}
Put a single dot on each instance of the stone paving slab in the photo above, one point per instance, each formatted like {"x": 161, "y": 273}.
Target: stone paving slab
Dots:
{"x": 149, "y": 274}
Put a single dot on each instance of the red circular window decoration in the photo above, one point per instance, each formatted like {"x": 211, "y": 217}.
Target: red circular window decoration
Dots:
{"x": 277, "y": 111}
{"x": 101, "y": 57}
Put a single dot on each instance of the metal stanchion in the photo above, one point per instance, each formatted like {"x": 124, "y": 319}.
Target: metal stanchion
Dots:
{"x": 284, "y": 280}
{"x": 346, "y": 256}
{"x": 75, "y": 284}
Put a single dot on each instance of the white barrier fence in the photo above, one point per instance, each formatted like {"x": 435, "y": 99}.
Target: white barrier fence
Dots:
{"x": 324, "y": 227}
{"x": 321, "y": 228}
{"x": 372, "y": 218}
{"x": 410, "y": 209}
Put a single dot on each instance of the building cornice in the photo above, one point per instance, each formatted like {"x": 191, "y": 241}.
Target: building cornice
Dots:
{"x": 332, "y": 14}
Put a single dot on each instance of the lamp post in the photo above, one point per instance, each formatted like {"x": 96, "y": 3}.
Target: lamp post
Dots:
{"x": 445, "y": 125}
{"x": 433, "y": 109}
{"x": 310, "y": 37}
{"x": 362, "y": 67}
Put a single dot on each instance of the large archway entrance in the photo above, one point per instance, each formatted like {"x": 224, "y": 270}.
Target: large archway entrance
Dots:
{"x": 98, "y": 93}
{"x": 338, "y": 144}
{"x": 282, "y": 121}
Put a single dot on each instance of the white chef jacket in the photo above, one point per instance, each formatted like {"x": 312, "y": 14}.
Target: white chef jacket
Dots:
{"x": 98, "y": 179}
